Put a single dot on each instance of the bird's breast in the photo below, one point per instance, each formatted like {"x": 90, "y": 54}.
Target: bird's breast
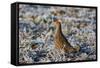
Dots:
{"x": 58, "y": 41}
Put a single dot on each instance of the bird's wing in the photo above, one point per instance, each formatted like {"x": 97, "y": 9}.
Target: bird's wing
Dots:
{"x": 66, "y": 42}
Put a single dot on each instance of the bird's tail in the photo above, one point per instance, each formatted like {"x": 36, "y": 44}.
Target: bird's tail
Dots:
{"x": 77, "y": 48}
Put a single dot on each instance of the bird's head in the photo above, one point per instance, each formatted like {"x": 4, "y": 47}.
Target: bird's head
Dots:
{"x": 57, "y": 22}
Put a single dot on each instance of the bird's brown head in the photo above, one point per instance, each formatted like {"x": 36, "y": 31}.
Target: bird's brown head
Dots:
{"x": 57, "y": 22}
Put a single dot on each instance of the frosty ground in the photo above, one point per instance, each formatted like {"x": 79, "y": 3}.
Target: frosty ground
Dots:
{"x": 36, "y": 33}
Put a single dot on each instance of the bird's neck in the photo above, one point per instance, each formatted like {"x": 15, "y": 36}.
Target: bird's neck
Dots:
{"x": 58, "y": 29}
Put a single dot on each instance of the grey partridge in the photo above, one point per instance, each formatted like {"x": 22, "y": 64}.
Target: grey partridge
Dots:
{"x": 61, "y": 43}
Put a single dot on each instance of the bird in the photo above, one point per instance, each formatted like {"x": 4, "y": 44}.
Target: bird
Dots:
{"x": 61, "y": 43}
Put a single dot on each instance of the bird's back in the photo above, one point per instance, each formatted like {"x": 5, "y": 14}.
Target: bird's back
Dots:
{"x": 62, "y": 43}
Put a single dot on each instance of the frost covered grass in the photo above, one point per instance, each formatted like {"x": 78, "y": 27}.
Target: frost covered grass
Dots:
{"x": 36, "y": 33}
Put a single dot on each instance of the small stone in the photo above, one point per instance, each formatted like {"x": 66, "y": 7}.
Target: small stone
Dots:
{"x": 83, "y": 56}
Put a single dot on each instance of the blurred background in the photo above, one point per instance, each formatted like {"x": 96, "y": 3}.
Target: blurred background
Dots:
{"x": 36, "y": 33}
